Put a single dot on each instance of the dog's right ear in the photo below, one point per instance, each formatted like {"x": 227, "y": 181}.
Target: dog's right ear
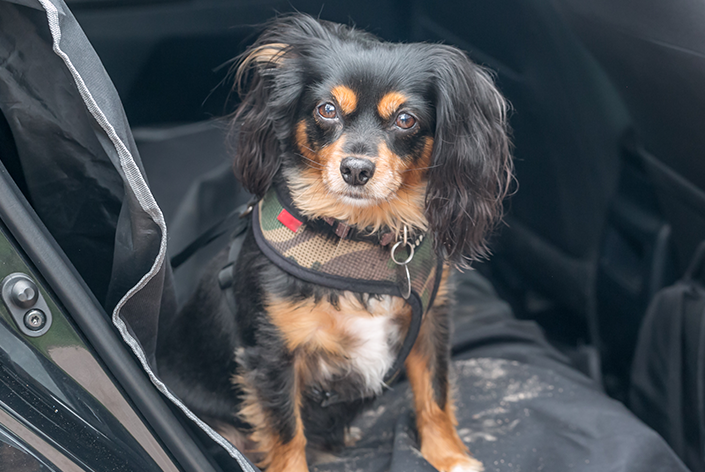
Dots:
{"x": 258, "y": 151}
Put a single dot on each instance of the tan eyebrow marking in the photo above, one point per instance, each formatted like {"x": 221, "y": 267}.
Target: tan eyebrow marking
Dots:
{"x": 390, "y": 103}
{"x": 347, "y": 99}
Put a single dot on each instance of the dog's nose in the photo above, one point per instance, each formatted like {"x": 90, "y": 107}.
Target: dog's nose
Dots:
{"x": 357, "y": 171}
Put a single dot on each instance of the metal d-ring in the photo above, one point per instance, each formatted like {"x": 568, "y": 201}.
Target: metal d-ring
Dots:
{"x": 405, "y": 263}
{"x": 408, "y": 259}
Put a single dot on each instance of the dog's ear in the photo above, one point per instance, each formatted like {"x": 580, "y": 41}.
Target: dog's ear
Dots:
{"x": 471, "y": 171}
{"x": 258, "y": 151}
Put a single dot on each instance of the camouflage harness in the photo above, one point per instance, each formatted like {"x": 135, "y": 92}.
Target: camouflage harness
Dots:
{"x": 332, "y": 254}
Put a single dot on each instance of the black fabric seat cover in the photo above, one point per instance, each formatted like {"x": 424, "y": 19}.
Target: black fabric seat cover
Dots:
{"x": 520, "y": 405}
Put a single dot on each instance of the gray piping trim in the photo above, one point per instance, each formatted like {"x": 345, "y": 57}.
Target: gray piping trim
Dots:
{"x": 149, "y": 205}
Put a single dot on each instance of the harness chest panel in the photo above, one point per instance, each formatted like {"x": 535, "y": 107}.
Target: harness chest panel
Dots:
{"x": 324, "y": 258}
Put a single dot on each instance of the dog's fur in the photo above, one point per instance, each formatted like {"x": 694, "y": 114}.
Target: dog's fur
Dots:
{"x": 434, "y": 127}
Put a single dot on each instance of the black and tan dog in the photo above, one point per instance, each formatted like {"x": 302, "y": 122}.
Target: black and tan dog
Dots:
{"x": 354, "y": 147}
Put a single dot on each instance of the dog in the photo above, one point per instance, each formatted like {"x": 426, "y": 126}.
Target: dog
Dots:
{"x": 389, "y": 151}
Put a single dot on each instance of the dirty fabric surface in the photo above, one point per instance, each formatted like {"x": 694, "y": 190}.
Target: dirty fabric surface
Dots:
{"x": 520, "y": 407}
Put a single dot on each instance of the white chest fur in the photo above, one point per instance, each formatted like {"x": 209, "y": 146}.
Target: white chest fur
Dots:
{"x": 373, "y": 335}
{"x": 349, "y": 340}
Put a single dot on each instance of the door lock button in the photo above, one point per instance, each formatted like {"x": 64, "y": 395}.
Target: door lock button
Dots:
{"x": 26, "y": 304}
{"x": 24, "y": 293}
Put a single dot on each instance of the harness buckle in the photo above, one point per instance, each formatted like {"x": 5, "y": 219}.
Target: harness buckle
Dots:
{"x": 248, "y": 210}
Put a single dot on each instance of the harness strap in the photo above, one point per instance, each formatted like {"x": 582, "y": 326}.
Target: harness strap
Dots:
{"x": 234, "y": 222}
{"x": 226, "y": 276}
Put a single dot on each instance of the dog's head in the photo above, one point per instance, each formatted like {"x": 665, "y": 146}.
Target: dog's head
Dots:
{"x": 373, "y": 133}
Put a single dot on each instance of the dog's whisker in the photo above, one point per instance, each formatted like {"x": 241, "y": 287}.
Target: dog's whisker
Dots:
{"x": 420, "y": 168}
{"x": 309, "y": 159}
{"x": 317, "y": 165}
{"x": 310, "y": 166}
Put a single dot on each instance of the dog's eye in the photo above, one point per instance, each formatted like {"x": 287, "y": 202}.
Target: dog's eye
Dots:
{"x": 327, "y": 110}
{"x": 405, "y": 121}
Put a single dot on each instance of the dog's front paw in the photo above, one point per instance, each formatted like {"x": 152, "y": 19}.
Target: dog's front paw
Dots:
{"x": 454, "y": 462}
{"x": 468, "y": 464}
{"x": 352, "y": 435}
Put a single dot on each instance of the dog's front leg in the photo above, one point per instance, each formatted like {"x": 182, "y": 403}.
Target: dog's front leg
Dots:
{"x": 272, "y": 406}
{"x": 427, "y": 370}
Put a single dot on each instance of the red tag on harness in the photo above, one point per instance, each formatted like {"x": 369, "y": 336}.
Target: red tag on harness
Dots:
{"x": 288, "y": 220}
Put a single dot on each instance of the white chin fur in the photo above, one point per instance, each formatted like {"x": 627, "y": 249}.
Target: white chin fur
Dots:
{"x": 357, "y": 202}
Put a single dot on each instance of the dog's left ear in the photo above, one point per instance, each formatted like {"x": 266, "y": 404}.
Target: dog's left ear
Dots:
{"x": 472, "y": 168}
{"x": 257, "y": 153}
{"x": 268, "y": 85}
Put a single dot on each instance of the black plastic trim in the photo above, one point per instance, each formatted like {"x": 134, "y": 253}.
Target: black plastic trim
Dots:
{"x": 41, "y": 248}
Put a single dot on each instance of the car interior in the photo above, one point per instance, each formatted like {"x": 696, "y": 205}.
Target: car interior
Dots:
{"x": 609, "y": 203}
{"x": 607, "y": 126}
